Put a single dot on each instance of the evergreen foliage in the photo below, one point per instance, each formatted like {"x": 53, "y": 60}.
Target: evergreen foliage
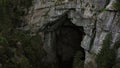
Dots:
{"x": 107, "y": 55}
{"x": 18, "y": 49}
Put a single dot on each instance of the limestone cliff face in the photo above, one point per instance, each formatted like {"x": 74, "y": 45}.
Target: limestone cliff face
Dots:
{"x": 98, "y": 18}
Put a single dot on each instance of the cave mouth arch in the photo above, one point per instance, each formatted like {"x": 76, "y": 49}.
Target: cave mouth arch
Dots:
{"x": 62, "y": 39}
{"x": 68, "y": 39}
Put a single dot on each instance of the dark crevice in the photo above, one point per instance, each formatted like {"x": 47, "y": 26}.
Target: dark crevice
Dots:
{"x": 93, "y": 37}
{"x": 107, "y": 2}
{"x": 68, "y": 40}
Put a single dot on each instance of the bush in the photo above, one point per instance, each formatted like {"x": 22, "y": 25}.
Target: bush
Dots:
{"x": 18, "y": 49}
{"x": 117, "y": 5}
{"x": 106, "y": 57}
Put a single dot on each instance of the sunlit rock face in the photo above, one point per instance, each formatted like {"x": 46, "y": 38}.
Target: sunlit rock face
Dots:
{"x": 95, "y": 16}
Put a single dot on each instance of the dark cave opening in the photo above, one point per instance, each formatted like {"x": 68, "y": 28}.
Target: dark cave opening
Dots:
{"x": 68, "y": 41}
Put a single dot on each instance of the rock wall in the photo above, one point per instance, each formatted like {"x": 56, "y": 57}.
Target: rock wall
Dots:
{"x": 98, "y": 17}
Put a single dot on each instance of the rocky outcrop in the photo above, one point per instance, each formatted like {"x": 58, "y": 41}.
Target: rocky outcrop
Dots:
{"x": 98, "y": 18}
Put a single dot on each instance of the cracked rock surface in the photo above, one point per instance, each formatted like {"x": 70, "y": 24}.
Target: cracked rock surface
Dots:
{"x": 97, "y": 17}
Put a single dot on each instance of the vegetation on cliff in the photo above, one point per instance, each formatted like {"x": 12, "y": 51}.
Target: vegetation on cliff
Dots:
{"x": 106, "y": 58}
{"x": 18, "y": 49}
{"x": 117, "y": 5}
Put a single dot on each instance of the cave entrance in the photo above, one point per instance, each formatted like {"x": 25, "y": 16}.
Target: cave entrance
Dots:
{"x": 68, "y": 40}
{"x": 62, "y": 40}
